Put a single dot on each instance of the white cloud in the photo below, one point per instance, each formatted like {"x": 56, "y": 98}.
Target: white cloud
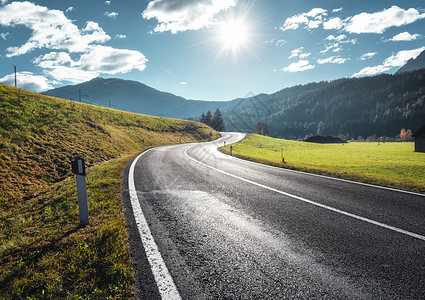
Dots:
{"x": 69, "y": 9}
{"x": 108, "y": 2}
{"x": 316, "y": 13}
{"x": 50, "y": 29}
{"x": 3, "y": 1}
{"x": 108, "y": 60}
{"x": 311, "y": 19}
{"x": 182, "y": 15}
{"x": 405, "y": 36}
{"x": 304, "y": 55}
{"x": 183, "y": 83}
{"x": 367, "y": 55}
{"x": 120, "y": 36}
{"x": 335, "y": 42}
{"x": 28, "y": 81}
{"x": 299, "y": 53}
{"x": 332, "y": 60}
{"x": 99, "y": 59}
{"x": 396, "y": 60}
{"x": 380, "y": 21}
{"x": 377, "y": 22}
{"x": 77, "y": 56}
{"x": 4, "y": 35}
{"x": 338, "y": 38}
{"x": 299, "y": 66}
{"x": 111, "y": 14}
{"x": 296, "y": 52}
{"x": 278, "y": 43}
{"x": 334, "y": 23}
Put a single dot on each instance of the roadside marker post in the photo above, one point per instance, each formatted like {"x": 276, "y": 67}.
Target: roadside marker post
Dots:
{"x": 231, "y": 150}
{"x": 79, "y": 169}
{"x": 143, "y": 145}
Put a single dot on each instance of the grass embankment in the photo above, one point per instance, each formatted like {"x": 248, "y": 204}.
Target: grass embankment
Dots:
{"x": 44, "y": 254}
{"x": 393, "y": 165}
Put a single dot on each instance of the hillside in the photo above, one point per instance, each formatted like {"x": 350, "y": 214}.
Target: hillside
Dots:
{"x": 414, "y": 64}
{"x": 43, "y": 251}
{"x": 380, "y": 105}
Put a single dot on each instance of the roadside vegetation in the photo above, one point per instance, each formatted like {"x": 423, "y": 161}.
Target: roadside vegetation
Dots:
{"x": 44, "y": 253}
{"x": 393, "y": 164}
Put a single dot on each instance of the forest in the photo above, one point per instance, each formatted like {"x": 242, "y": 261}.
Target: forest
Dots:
{"x": 350, "y": 107}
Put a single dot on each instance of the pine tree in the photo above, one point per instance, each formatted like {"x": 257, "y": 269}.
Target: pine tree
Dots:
{"x": 203, "y": 118}
{"x": 208, "y": 118}
{"x": 218, "y": 121}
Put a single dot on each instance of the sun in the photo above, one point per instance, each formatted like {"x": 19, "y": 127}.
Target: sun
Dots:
{"x": 234, "y": 36}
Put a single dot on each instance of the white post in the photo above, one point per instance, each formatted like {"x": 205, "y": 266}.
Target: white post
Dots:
{"x": 82, "y": 199}
{"x": 79, "y": 169}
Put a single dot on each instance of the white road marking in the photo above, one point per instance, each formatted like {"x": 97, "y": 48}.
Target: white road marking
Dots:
{"x": 408, "y": 233}
{"x": 164, "y": 281}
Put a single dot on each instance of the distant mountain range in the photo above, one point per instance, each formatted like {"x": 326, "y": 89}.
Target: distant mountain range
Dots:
{"x": 135, "y": 97}
{"x": 414, "y": 64}
{"x": 379, "y": 105}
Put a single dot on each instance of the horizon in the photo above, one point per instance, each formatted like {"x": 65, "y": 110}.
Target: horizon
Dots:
{"x": 204, "y": 50}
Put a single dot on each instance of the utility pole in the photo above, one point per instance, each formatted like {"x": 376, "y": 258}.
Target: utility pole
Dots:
{"x": 16, "y": 81}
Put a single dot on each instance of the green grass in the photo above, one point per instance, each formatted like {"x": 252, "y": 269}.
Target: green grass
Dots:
{"x": 388, "y": 164}
{"x": 44, "y": 254}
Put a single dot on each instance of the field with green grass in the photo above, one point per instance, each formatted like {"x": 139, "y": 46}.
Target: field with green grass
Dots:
{"x": 388, "y": 164}
{"x": 44, "y": 254}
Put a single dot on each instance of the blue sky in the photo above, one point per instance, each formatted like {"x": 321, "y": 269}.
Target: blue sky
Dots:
{"x": 206, "y": 49}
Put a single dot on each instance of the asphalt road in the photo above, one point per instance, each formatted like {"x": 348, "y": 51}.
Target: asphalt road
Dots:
{"x": 232, "y": 229}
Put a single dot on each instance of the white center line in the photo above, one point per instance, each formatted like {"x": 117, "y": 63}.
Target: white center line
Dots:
{"x": 402, "y": 231}
{"x": 164, "y": 281}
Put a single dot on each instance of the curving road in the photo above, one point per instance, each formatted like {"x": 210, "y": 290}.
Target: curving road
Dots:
{"x": 218, "y": 227}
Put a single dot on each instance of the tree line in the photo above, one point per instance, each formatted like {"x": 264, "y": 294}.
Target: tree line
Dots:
{"x": 215, "y": 120}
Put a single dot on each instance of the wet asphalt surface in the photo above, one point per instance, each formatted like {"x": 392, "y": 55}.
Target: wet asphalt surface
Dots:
{"x": 225, "y": 238}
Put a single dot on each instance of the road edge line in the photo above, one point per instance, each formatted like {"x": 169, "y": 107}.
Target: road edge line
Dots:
{"x": 166, "y": 287}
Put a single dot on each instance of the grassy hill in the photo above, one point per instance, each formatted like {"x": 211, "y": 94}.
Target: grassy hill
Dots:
{"x": 43, "y": 251}
{"x": 393, "y": 165}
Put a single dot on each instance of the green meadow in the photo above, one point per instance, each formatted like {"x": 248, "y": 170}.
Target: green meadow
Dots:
{"x": 392, "y": 164}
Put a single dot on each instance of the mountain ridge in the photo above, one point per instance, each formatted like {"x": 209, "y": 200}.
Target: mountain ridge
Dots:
{"x": 414, "y": 64}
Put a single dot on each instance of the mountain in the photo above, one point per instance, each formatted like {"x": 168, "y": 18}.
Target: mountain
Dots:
{"x": 350, "y": 107}
{"x": 135, "y": 97}
{"x": 414, "y": 64}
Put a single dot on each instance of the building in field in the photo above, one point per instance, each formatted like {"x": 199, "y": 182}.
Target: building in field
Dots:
{"x": 420, "y": 140}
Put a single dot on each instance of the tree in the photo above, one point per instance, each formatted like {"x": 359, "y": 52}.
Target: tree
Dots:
{"x": 203, "y": 118}
{"x": 218, "y": 121}
{"x": 262, "y": 129}
{"x": 208, "y": 118}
